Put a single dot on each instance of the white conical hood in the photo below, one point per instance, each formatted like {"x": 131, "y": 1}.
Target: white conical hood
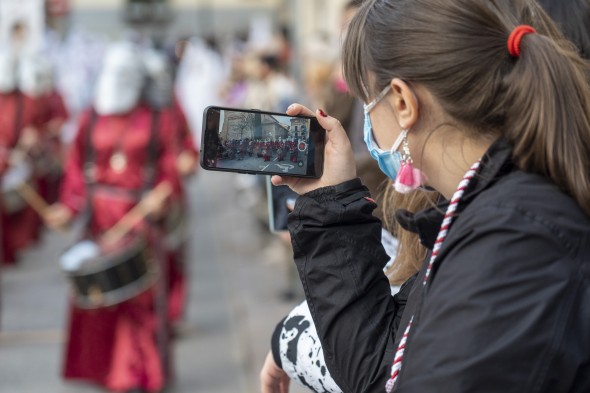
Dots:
{"x": 121, "y": 80}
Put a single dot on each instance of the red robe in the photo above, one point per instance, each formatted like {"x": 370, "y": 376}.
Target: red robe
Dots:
{"x": 124, "y": 346}
{"x": 21, "y": 228}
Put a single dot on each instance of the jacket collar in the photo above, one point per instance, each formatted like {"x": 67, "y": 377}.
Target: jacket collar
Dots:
{"x": 496, "y": 163}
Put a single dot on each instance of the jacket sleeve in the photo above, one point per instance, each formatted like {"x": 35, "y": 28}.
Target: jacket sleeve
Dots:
{"x": 339, "y": 257}
{"x": 495, "y": 311}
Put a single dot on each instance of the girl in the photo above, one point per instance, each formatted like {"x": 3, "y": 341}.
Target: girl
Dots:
{"x": 485, "y": 102}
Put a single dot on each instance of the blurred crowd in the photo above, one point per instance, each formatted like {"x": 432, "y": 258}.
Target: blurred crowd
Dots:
{"x": 106, "y": 134}
{"x": 58, "y": 73}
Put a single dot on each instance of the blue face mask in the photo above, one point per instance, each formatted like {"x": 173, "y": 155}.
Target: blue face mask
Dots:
{"x": 389, "y": 161}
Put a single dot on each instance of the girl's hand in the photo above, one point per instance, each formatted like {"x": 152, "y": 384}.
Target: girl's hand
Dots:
{"x": 272, "y": 378}
{"x": 339, "y": 163}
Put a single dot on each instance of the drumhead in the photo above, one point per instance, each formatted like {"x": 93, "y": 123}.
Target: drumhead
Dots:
{"x": 75, "y": 256}
{"x": 96, "y": 257}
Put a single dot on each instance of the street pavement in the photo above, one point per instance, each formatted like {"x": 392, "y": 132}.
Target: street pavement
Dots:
{"x": 238, "y": 278}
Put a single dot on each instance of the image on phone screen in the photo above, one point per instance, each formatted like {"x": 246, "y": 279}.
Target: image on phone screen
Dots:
{"x": 262, "y": 143}
{"x": 281, "y": 202}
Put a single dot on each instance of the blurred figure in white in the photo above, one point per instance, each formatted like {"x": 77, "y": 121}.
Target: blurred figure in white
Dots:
{"x": 200, "y": 75}
{"x": 76, "y": 56}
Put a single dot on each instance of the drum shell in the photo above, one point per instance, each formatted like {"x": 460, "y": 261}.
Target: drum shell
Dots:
{"x": 114, "y": 277}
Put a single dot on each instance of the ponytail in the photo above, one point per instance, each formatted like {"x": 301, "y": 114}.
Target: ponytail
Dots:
{"x": 548, "y": 115}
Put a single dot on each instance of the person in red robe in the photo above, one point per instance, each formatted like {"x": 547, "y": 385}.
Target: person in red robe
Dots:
{"x": 36, "y": 83}
{"x": 18, "y": 136}
{"x": 122, "y": 347}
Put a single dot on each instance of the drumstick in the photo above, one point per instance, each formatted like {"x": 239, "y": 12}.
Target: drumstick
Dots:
{"x": 136, "y": 214}
{"x": 36, "y": 201}
{"x": 30, "y": 195}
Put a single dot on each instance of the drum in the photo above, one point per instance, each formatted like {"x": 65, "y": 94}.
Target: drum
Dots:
{"x": 104, "y": 277}
{"x": 14, "y": 177}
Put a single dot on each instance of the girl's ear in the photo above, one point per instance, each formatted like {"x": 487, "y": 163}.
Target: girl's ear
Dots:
{"x": 404, "y": 103}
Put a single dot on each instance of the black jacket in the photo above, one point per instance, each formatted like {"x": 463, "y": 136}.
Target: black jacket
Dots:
{"x": 507, "y": 308}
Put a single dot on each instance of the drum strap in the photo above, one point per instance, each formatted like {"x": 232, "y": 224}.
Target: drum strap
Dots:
{"x": 89, "y": 165}
{"x": 89, "y": 168}
{"x": 152, "y": 152}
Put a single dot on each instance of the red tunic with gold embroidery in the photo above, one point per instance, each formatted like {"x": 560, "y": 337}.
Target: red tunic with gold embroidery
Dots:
{"x": 120, "y": 347}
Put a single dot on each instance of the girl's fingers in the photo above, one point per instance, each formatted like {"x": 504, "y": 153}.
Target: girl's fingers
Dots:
{"x": 338, "y": 158}
{"x": 336, "y": 132}
{"x": 276, "y": 180}
{"x": 298, "y": 109}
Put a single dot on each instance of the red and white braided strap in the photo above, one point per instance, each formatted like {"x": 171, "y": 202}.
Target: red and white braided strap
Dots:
{"x": 442, "y": 234}
{"x": 449, "y": 217}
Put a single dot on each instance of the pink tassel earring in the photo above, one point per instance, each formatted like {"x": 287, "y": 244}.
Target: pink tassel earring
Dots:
{"x": 408, "y": 178}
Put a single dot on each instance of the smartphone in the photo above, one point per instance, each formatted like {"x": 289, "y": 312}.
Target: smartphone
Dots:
{"x": 281, "y": 202}
{"x": 257, "y": 142}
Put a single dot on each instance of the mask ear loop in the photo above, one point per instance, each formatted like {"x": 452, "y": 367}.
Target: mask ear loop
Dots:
{"x": 401, "y": 138}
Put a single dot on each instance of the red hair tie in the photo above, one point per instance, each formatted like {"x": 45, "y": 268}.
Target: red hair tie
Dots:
{"x": 515, "y": 38}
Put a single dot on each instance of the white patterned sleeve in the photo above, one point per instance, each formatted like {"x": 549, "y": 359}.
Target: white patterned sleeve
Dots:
{"x": 301, "y": 353}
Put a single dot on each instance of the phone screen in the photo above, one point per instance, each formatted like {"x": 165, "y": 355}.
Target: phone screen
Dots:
{"x": 257, "y": 142}
{"x": 281, "y": 202}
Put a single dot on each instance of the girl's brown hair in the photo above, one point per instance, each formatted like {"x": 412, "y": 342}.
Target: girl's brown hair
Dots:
{"x": 410, "y": 252}
{"x": 457, "y": 49}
